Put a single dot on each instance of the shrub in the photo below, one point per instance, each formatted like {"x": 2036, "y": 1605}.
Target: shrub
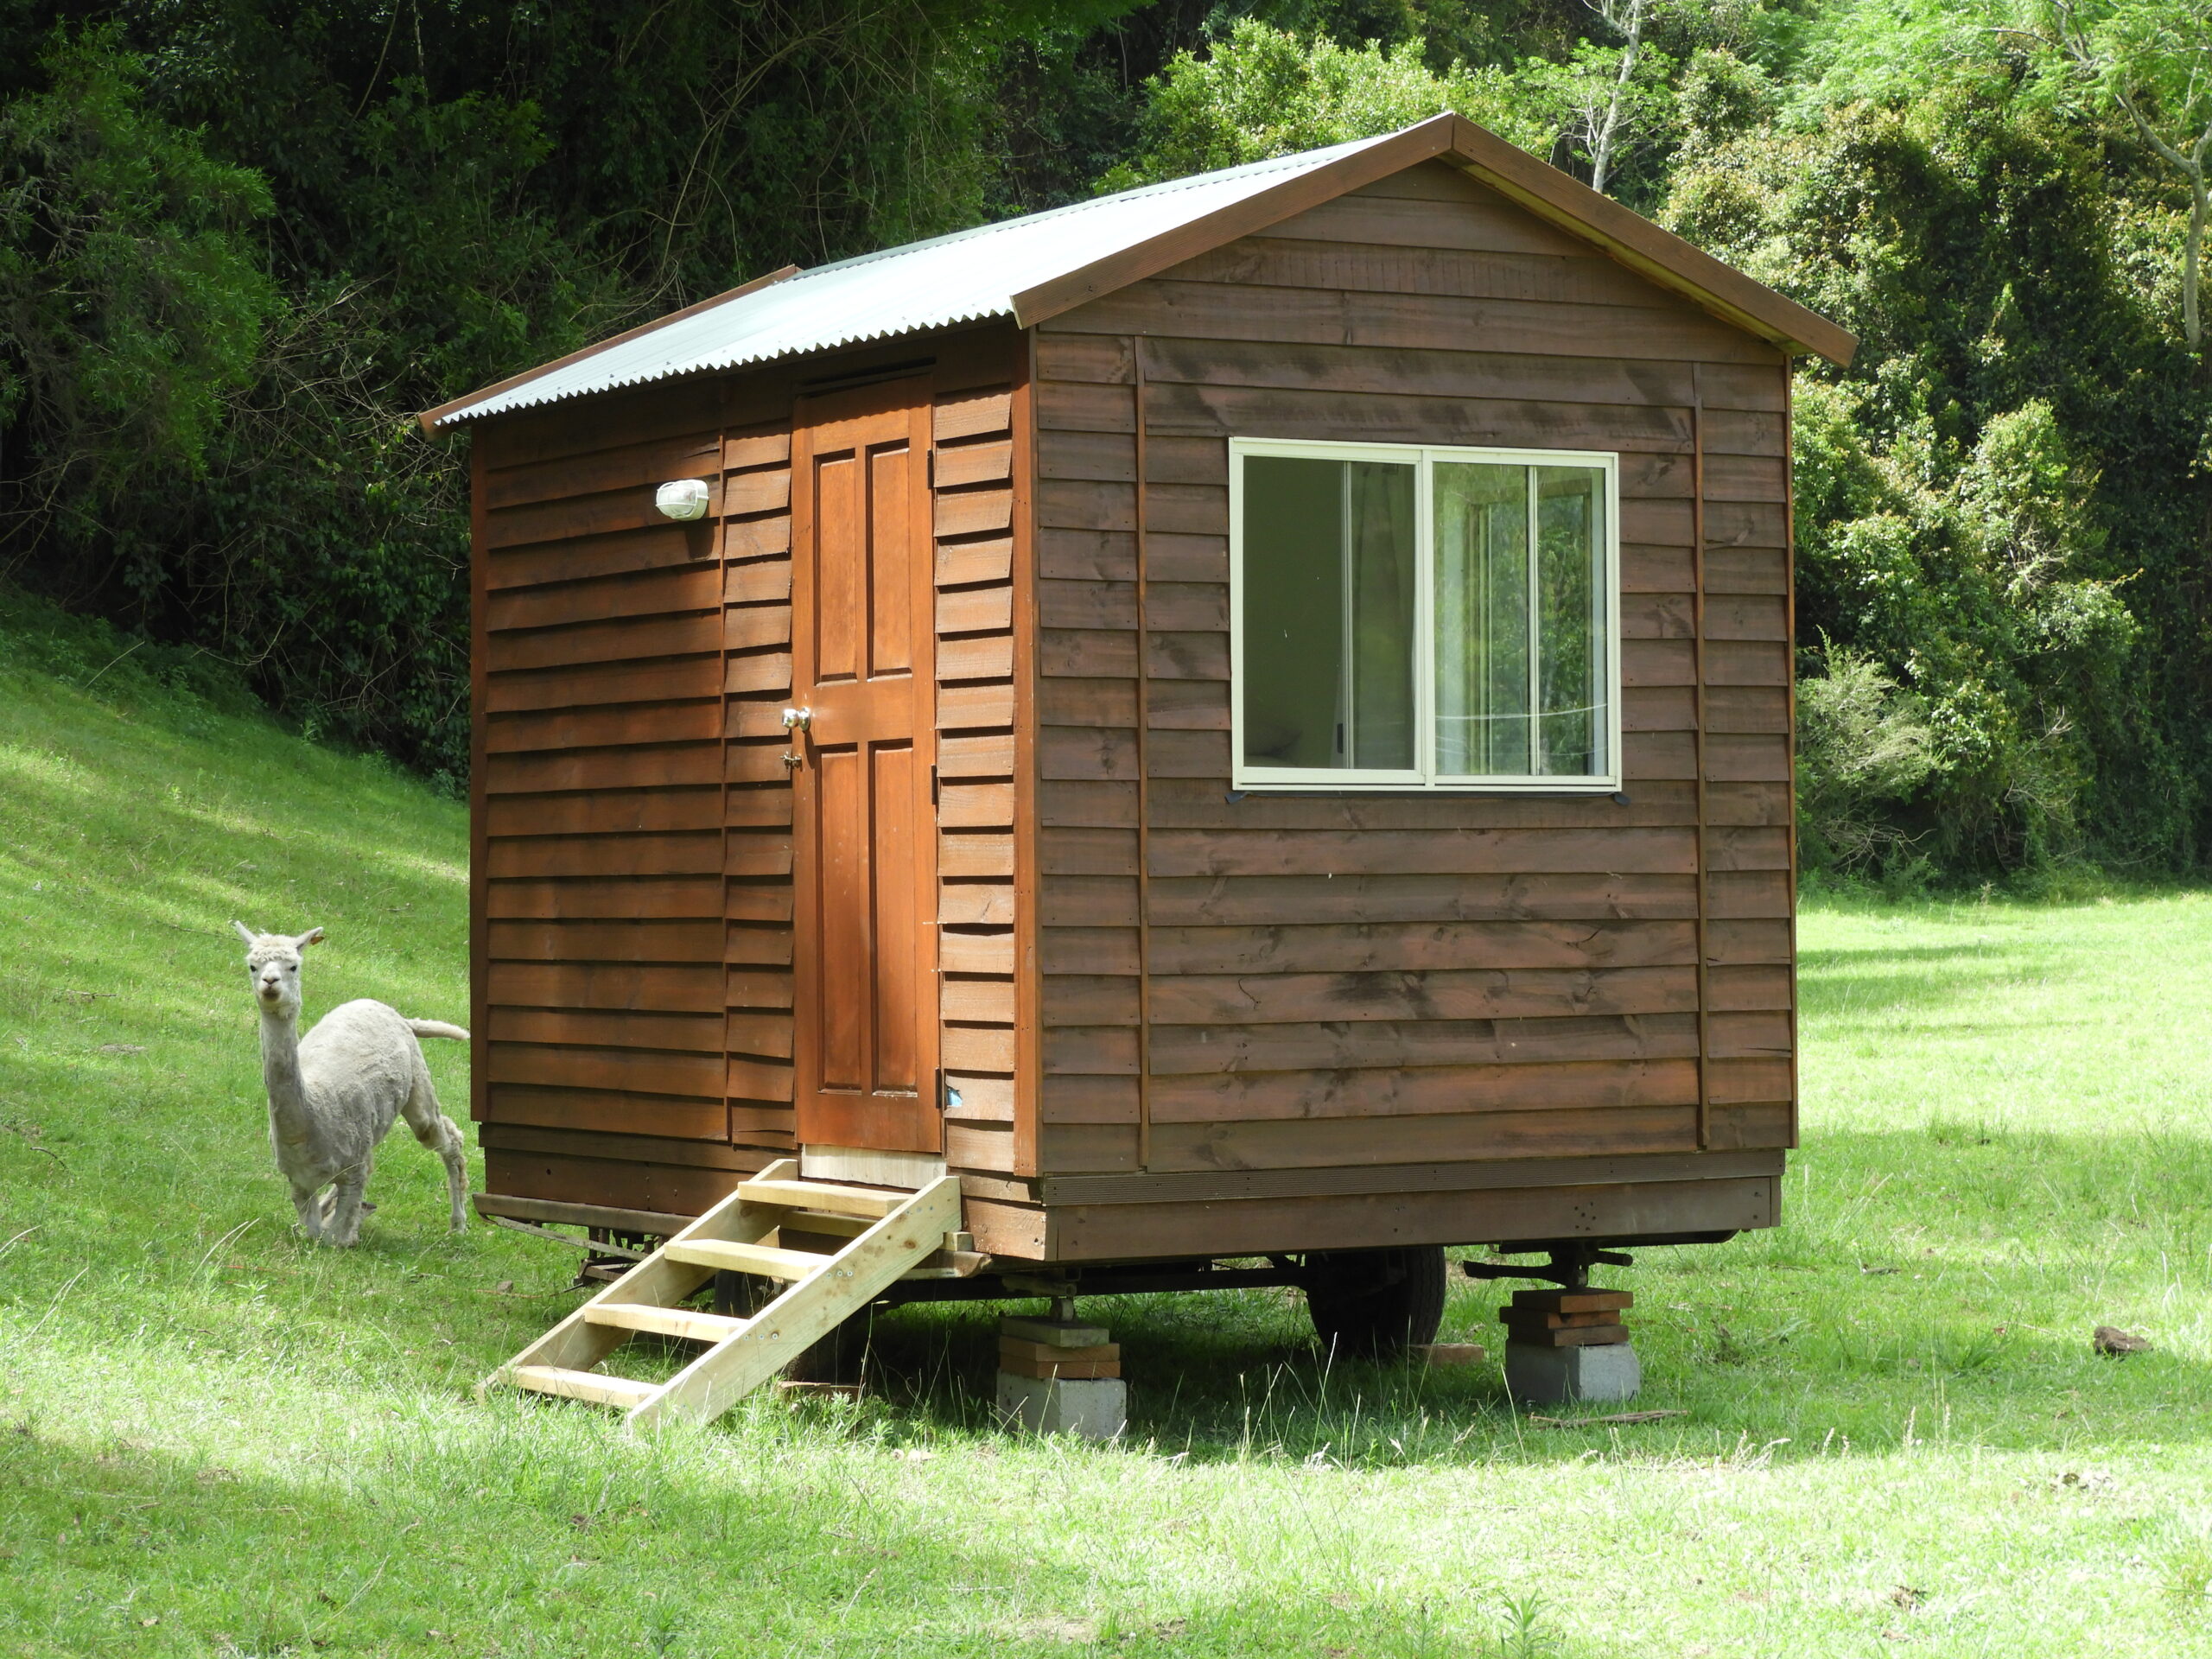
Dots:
{"x": 1863, "y": 746}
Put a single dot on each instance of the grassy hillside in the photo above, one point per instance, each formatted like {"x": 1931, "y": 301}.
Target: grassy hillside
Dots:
{"x": 219, "y": 1440}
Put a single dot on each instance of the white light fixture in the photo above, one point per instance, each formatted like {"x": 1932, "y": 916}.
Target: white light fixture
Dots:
{"x": 685, "y": 499}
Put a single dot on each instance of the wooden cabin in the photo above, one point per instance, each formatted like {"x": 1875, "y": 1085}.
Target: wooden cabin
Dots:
{"x": 1252, "y": 716}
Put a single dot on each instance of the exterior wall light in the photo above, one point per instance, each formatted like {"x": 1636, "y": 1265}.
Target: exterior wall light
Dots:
{"x": 685, "y": 500}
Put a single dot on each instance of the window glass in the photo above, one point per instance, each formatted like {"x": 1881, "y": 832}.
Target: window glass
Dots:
{"x": 1330, "y": 586}
{"x": 1521, "y": 665}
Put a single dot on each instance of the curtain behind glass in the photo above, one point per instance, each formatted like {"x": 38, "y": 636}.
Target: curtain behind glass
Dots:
{"x": 1482, "y": 619}
{"x": 1570, "y": 630}
{"x": 1379, "y": 522}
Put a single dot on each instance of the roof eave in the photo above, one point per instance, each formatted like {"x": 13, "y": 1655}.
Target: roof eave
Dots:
{"x": 1657, "y": 255}
{"x": 431, "y": 419}
{"x": 1254, "y": 214}
{"x": 1652, "y": 252}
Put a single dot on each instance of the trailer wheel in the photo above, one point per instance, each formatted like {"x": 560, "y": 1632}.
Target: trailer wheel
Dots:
{"x": 1376, "y": 1304}
{"x": 837, "y": 1357}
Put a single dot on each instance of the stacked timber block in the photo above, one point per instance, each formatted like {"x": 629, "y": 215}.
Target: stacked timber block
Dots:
{"x": 1060, "y": 1376}
{"x": 1448, "y": 1355}
{"x": 1566, "y": 1345}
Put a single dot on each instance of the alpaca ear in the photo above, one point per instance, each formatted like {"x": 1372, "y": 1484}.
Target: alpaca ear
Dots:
{"x": 311, "y": 936}
{"x": 245, "y": 932}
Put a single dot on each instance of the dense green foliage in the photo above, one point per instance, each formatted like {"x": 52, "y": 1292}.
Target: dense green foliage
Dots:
{"x": 239, "y": 244}
{"x": 1999, "y": 501}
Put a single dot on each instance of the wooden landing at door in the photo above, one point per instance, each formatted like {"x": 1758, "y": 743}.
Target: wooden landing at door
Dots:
{"x": 891, "y": 1234}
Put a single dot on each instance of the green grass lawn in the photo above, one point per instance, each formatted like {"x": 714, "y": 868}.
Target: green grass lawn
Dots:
{"x": 215, "y": 1439}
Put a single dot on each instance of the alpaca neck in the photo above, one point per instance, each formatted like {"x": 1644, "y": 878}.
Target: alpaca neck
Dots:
{"x": 280, "y": 1071}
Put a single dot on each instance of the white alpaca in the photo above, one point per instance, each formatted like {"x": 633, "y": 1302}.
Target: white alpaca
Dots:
{"x": 334, "y": 1093}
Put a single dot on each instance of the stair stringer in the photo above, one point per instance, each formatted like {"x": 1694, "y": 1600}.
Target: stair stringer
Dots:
{"x": 808, "y": 1310}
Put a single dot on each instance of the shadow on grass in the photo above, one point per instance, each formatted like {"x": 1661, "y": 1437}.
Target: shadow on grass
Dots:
{"x": 1738, "y": 1381}
{"x": 1944, "y": 1280}
{"x": 543, "y": 1533}
{"x": 1835, "y": 984}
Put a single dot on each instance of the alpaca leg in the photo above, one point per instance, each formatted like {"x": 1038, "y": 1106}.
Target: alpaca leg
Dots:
{"x": 453, "y": 1149}
{"x": 439, "y": 1133}
{"x": 344, "y": 1228}
{"x": 312, "y": 1212}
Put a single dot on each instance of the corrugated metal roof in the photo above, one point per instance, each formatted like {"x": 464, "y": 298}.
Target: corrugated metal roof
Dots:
{"x": 963, "y": 277}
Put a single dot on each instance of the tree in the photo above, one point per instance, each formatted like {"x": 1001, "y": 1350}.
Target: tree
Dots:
{"x": 1626, "y": 18}
{"x": 1622, "y": 111}
{"x": 133, "y": 307}
{"x": 241, "y": 240}
{"x": 1264, "y": 93}
{"x": 2152, "y": 58}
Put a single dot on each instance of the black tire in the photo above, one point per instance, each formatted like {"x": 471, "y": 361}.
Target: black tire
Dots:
{"x": 839, "y": 1357}
{"x": 1376, "y": 1304}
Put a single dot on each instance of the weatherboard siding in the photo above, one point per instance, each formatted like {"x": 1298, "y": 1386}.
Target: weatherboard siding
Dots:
{"x": 1371, "y": 1020}
{"x": 601, "y": 1021}
{"x": 632, "y": 877}
{"x": 1337, "y": 981}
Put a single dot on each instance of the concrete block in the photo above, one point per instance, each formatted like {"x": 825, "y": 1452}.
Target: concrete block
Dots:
{"x": 1557, "y": 1376}
{"x": 1095, "y": 1408}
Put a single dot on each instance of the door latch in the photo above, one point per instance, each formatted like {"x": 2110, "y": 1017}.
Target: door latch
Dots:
{"x": 795, "y": 721}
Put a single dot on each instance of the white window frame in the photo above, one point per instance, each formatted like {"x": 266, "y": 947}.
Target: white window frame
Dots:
{"x": 1424, "y": 778}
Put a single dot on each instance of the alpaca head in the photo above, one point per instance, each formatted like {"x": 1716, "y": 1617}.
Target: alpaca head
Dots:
{"x": 272, "y": 963}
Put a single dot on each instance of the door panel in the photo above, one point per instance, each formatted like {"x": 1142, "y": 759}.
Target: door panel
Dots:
{"x": 841, "y": 597}
{"x": 892, "y": 562}
{"x": 841, "y": 808}
{"x": 864, "y": 852}
{"x": 898, "y": 1003}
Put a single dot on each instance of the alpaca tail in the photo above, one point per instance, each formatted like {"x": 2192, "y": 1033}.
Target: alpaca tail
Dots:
{"x": 437, "y": 1028}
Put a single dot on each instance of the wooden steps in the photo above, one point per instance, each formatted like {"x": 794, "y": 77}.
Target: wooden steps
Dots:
{"x": 687, "y": 1322}
{"x": 861, "y": 1201}
{"x": 763, "y": 1259}
{"x": 880, "y": 1237}
{"x": 600, "y": 1390}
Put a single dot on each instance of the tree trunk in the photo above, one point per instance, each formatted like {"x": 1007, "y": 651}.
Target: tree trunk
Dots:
{"x": 2192, "y": 264}
{"x": 1602, "y": 150}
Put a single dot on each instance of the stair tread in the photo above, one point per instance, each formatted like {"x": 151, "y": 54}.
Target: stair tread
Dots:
{"x": 769, "y": 1259}
{"x": 687, "y": 1322}
{"x": 595, "y": 1386}
{"x": 827, "y": 1196}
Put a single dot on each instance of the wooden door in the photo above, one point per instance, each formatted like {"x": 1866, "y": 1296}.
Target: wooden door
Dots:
{"x": 864, "y": 843}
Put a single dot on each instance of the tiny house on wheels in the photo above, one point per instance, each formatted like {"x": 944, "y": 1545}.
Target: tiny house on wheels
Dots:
{"x": 1236, "y": 731}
